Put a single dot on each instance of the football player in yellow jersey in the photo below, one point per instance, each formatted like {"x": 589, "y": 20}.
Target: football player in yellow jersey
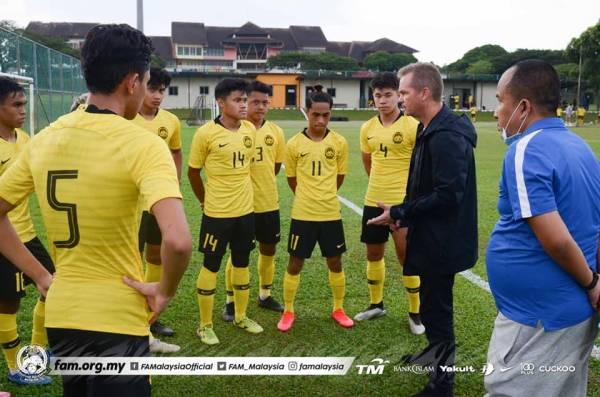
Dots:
{"x": 89, "y": 169}
{"x": 316, "y": 162}
{"x": 167, "y": 126}
{"x": 386, "y": 142}
{"x": 270, "y": 153}
{"x": 580, "y": 116}
{"x": 12, "y": 280}
{"x": 224, "y": 148}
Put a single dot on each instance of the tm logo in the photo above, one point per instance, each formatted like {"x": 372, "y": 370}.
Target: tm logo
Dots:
{"x": 376, "y": 368}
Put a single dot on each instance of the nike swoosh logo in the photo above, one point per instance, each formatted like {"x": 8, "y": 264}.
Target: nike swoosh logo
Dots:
{"x": 369, "y": 137}
{"x": 4, "y": 162}
{"x": 303, "y": 154}
{"x": 505, "y": 369}
{"x": 223, "y": 144}
{"x": 340, "y": 246}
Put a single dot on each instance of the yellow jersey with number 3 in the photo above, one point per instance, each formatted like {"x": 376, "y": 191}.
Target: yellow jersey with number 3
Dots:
{"x": 391, "y": 149}
{"x": 19, "y": 216}
{"x": 88, "y": 170}
{"x": 225, "y": 156}
{"x": 270, "y": 149}
{"x": 316, "y": 165}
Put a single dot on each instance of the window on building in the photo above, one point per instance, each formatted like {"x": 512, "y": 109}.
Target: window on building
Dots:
{"x": 174, "y": 90}
{"x": 203, "y": 90}
{"x": 331, "y": 91}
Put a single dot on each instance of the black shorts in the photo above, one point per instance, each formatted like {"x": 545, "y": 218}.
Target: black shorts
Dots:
{"x": 79, "y": 343}
{"x": 12, "y": 280}
{"x": 149, "y": 232}
{"x": 373, "y": 234}
{"x": 217, "y": 233}
{"x": 305, "y": 234}
{"x": 267, "y": 227}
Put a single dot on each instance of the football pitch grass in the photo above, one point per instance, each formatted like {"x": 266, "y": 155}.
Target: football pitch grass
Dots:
{"x": 315, "y": 333}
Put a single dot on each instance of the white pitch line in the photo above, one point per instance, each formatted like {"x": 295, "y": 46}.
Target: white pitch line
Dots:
{"x": 469, "y": 275}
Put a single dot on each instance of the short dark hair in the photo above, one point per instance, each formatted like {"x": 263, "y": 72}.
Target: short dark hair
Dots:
{"x": 261, "y": 87}
{"x": 318, "y": 96}
{"x": 159, "y": 77}
{"x": 227, "y": 86}
{"x": 385, "y": 80}
{"x": 537, "y": 81}
{"x": 425, "y": 75}
{"x": 9, "y": 87}
{"x": 110, "y": 53}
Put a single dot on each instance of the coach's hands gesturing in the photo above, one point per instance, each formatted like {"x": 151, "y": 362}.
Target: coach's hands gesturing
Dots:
{"x": 157, "y": 301}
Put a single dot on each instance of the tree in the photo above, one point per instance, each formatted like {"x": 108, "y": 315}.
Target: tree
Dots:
{"x": 306, "y": 61}
{"x": 503, "y": 62}
{"x": 567, "y": 70}
{"x": 588, "y": 46}
{"x": 484, "y": 52}
{"x": 483, "y": 66}
{"x": 385, "y": 62}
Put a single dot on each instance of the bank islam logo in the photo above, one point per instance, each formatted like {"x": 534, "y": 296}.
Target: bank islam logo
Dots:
{"x": 32, "y": 361}
{"x": 376, "y": 368}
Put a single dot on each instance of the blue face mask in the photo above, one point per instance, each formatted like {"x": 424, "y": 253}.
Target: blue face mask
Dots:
{"x": 509, "y": 140}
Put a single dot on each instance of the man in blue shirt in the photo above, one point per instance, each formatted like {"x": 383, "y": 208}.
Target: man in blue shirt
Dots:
{"x": 543, "y": 253}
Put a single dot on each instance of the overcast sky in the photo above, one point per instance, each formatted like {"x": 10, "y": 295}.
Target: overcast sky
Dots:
{"x": 441, "y": 30}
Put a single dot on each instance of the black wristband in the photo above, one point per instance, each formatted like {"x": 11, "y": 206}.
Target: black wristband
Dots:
{"x": 592, "y": 285}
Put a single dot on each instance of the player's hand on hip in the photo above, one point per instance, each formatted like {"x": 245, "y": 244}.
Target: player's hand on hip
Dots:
{"x": 384, "y": 218}
{"x": 156, "y": 300}
{"x": 594, "y": 297}
{"x": 44, "y": 283}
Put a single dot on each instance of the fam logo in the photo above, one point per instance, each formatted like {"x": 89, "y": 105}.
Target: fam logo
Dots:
{"x": 163, "y": 132}
{"x": 32, "y": 361}
{"x": 248, "y": 142}
{"x": 398, "y": 137}
{"x": 375, "y": 368}
{"x": 329, "y": 153}
{"x": 527, "y": 368}
{"x": 269, "y": 140}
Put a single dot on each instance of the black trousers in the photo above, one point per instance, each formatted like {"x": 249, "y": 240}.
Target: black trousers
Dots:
{"x": 437, "y": 312}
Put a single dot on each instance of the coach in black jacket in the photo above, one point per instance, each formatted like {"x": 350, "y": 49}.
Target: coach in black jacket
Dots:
{"x": 440, "y": 210}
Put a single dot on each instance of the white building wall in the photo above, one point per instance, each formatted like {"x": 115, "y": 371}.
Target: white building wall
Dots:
{"x": 347, "y": 92}
{"x": 484, "y": 92}
{"x": 188, "y": 90}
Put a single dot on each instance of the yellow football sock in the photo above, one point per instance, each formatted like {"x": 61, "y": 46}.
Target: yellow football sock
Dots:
{"x": 412, "y": 284}
{"x": 240, "y": 278}
{"x": 337, "y": 282}
{"x": 228, "y": 286}
{"x": 152, "y": 272}
{"x": 206, "y": 284}
{"x": 38, "y": 332}
{"x": 290, "y": 287}
{"x": 266, "y": 271}
{"x": 375, "y": 279}
{"x": 9, "y": 339}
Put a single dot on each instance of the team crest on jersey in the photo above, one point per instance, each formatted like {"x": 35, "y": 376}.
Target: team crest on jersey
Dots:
{"x": 269, "y": 140}
{"x": 398, "y": 137}
{"x": 329, "y": 153}
{"x": 163, "y": 132}
{"x": 248, "y": 142}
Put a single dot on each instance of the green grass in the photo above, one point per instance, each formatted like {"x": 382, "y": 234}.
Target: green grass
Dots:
{"x": 314, "y": 333}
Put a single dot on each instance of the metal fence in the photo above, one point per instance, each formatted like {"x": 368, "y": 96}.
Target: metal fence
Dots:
{"x": 57, "y": 76}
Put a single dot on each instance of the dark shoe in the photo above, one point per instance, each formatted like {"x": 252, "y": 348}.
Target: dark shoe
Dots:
{"x": 228, "y": 314}
{"x": 270, "y": 304}
{"x": 433, "y": 390}
{"x": 160, "y": 329}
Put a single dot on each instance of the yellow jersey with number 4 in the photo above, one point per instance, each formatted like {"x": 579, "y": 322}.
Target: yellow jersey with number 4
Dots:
{"x": 391, "y": 149}
{"x": 88, "y": 170}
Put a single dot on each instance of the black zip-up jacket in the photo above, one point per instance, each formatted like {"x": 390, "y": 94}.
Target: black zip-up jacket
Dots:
{"x": 440, "y": 208}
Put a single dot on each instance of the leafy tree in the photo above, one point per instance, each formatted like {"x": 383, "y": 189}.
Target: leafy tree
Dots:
{"x": 385, "y": 62}
{"x": 484, "y": 52}
{"x": 306, "y": 61}
{"x": 483, "y": 66}
{"x": 588, "y": 45}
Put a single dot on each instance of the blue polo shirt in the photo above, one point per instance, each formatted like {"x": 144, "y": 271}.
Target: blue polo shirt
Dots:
{"x": 548, "y": 169}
